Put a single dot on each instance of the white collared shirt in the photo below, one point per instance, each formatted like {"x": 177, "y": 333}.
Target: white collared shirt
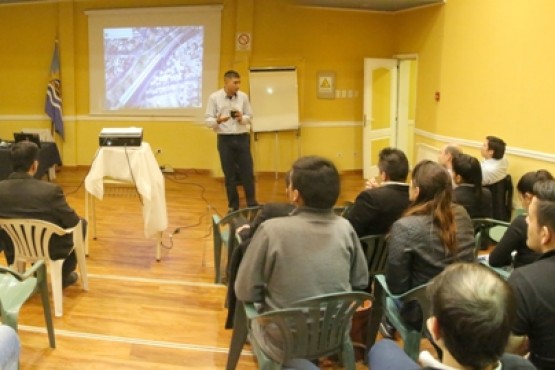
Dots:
{"x": 219, "y": 104}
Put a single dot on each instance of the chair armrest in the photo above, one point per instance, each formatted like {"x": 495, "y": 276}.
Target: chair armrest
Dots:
{"x": 406, "y": 296}
{"x": 250, "y": 310}
{"x": 26, "y": 274}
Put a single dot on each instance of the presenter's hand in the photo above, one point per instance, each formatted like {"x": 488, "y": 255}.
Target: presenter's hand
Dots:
{"x": 238, "y": 116}
{"x": 221, "y": 119}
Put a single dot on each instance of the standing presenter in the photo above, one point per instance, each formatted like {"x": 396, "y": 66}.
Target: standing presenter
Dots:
{"x": 229, "y": 113}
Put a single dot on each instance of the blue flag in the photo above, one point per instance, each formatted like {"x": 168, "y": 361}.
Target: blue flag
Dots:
{"x": 53, "y": 104}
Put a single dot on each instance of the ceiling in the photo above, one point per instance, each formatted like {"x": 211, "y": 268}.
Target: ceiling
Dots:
{"x": 370, "y": 5}
{"x": 364, "y": 5}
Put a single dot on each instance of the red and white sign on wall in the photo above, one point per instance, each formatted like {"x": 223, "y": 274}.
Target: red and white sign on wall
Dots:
{"x": 243, "y": 41}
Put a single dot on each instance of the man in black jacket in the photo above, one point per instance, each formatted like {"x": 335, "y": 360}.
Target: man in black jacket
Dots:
{"x": 380, "y": 205}
{"x": 23, "y": 196}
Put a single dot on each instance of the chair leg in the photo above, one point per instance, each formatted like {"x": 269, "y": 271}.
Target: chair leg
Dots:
{"x": 56, "y": 281}
{"x": 10, "y": 319}
{"x": 348, "y": 356}
{"x": 80, "y": 254}
{"x": 43, "y": 287}
{"x": 238, "y": 337}
{"x": 412, "y": 345}
{"x": 217, "y": 261}
{"x": 375, "y": 319}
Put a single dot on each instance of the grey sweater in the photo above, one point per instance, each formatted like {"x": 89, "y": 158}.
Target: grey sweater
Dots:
{"x": 310, "y": 253}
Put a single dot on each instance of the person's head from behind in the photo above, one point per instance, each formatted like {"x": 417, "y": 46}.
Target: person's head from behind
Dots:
{"x": 525, "y": 185}
{"x": 493, "y": 147}
{"x": 431, "y": 184}
{"x": 232, "y": 82}
{"x": 430, "y": 193}
{"x": 467, "y": 170}
{"x": 314, "y": 182}
{"x": 473, "y": 310}
{"x": 541, "y": 217}
{"x": 24, "y": 156}
{"x": 393, "y": 165}
{"x": 447, "y": 153}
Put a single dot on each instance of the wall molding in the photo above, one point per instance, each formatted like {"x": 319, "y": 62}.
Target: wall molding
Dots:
{"x": 512, "y": 150}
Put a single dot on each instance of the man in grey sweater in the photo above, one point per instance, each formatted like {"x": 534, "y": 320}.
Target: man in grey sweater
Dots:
{"x": 310, "y": 253}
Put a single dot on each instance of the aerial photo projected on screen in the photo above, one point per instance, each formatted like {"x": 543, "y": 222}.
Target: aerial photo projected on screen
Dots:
{"x": 153, "y": 67}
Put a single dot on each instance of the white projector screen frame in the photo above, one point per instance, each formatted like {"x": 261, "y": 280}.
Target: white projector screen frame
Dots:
{"x": 180, "y": 97}
{"x": 275, "y": 99}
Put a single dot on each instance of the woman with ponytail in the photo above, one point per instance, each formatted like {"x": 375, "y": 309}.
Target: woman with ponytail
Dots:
{"x": 432, "y": 233}
{"x": 469, "y": 193}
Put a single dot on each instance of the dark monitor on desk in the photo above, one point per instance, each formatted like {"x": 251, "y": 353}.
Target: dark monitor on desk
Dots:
{"x": 22, "y": 136}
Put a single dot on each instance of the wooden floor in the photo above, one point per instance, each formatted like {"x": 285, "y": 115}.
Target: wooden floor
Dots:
{"x": 139, "y": 313}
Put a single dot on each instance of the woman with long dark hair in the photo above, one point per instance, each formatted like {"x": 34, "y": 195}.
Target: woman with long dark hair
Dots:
{"x": 432, "y": 233}
{"x": 469, "y": 193}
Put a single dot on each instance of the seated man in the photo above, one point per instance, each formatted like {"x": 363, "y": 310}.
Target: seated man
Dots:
{"x": 445, "y": 158}
{"x": 472, "y": 313}
{"x": 379, "y": 206}
{"x": 23, "y": 196}
{"x": 494, "y": 166}
{"x": 533, "y": 284}
{"x": 309, "y": 253}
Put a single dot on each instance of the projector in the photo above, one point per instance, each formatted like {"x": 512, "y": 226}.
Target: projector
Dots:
{"x": 131, "y": 136}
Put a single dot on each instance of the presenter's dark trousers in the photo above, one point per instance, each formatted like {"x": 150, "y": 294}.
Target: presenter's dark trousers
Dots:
{"x": 237, "y": 164}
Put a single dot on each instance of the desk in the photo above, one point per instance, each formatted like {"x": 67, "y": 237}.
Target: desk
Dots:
{"x": 49, "y": 156}
{"x": 137, "y": 166}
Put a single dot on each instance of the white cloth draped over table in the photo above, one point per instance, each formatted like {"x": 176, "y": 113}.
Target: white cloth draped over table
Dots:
{"x": 133, "y": 165}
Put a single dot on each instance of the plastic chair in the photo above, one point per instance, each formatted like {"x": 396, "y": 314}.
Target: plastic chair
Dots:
{"x": 16, "y": 289}
{"x": 223, "y": 230}
{"x": 375, "y": 247}
{"x": 310, "y": 329}
{"x": 502, "y": 198}
{"x": 31, "y": 238}
{"x": 343, "y": 210}
{"x": 385, "y": 304}
{"x": 488, "y": 227}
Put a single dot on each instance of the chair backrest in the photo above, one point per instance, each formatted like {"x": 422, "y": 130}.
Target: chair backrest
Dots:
{"x": 224, "y": 227}
{"x": 313, "y": 327}
{"x": 343, "y": 210}
{"x": 502, "y": 198}
{"x": 30, "y": 237}
{"x": 375, "y": 247}
{"x": 488, "y": 227}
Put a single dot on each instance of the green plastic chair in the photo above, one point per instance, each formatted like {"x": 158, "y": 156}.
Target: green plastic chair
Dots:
{"x": 484, "y": 227}
{"x": 222, "y": 226}
{"x": 375, "y": 247}
{"x": 343, "y": 210}
{"x": 16, "y": 289}
{"x": 311, "y": 328}
{"x": 385, "y": 305}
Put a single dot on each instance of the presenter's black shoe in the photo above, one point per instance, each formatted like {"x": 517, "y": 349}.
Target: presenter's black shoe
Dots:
{"x": 70, "y": 279}
{"x": 231, "y": 209}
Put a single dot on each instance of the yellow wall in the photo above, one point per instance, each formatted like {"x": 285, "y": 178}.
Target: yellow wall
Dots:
{"x": 490, "y": 60}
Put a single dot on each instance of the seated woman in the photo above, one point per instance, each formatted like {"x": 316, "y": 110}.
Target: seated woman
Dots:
{"x": 469, "y": 193}
{"x": 432, "y": 234}
{"x": 514, "y": 238}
